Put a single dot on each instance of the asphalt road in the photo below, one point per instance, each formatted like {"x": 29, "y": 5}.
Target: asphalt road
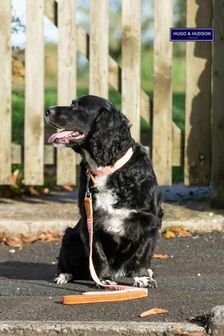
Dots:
{"x": 190, "y": 283}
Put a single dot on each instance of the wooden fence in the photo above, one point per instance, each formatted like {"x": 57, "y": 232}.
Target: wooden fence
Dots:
{"x": 170, "y": 146}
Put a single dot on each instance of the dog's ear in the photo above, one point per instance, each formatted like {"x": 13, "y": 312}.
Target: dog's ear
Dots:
{"x": 112, "y": 118}
{"x": 111, "y": 137}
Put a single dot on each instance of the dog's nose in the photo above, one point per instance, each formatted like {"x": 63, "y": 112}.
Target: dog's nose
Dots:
{"x": 50, "y": 111}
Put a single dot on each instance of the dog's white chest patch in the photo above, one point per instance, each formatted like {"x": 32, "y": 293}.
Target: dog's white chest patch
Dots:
{"x": 105, "y": 200}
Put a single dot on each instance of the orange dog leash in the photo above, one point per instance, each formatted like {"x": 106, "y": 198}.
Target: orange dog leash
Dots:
{"x": 118, "y": 292}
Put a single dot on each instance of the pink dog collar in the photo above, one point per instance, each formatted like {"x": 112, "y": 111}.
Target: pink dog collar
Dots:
{"x": 102, "y": 171}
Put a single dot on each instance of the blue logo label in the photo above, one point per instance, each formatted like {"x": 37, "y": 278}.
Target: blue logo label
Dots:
{"x": 192, "y": 34}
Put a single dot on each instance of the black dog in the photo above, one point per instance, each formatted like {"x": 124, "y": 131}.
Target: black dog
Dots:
{"x": 126, "y": 197}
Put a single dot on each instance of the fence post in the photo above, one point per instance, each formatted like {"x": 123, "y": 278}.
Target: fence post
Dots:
{"x": 131, "y": 51}
{"x": 34, "y": 98}
{"x": 218, "y": 108}
{"x": 198, "y": 98}
{"x": 98, "y": 60}
{"x": 5, "y": 91}
{"x": 66, "y": 159}
{"x": 162, "y": 95}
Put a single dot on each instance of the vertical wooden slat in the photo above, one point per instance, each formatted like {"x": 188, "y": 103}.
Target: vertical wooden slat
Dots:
{"x": 198, "y": 98}
{"x": 218, "y": 107}
{"x": 114, "y": 68}
{"x": 34, "y": 99}
{"x": 66, "y": 170}
{"x": 177, "y": 146}
{"x": 131, "y": 51}
{"x": 98, "y": 62}
{"x": 162, "y": 102}
{"x": 5, "y": 91}
{"x": 51, "y": 10}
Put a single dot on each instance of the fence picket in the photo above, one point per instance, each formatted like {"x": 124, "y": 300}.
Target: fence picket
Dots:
{"x": 66, "y": 169}
{"x": 217, "y": 179}
{"x": 162, "y": 102}
{"x": 34, "y": 98}
{"x": 104, "y": 70}
{"x": 98, "y": 43}
{"x": 5, "y": 91}
{"x": 198, "y": 98}
{"x": 114, "y": 69}
{"x": 131, "y": 48}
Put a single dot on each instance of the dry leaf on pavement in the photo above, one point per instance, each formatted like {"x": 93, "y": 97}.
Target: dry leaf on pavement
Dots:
{"x": 26, "y": 239}
{"x": 169, "y": 234}
{"x": 12, "y": 241}
{"x": 153, "y": 311}
{"x": 180, "y": 231}
{"x": 50, "y": 236}
{"x": 33, "y": 191}
{"x": 177, "y": 232}
{"x": 160, "y": 256}
{"x": 68, "y": 187}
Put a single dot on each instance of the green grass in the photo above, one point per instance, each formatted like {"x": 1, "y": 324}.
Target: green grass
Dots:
{"x": 178, "y": 108}
{"x": 18, "y": 117}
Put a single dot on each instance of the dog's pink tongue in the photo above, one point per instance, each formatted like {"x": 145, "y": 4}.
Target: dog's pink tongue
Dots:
{"x": 59, "y": 135}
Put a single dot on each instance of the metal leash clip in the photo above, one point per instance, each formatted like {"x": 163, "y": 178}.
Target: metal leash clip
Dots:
{"x": 88, "y": 193}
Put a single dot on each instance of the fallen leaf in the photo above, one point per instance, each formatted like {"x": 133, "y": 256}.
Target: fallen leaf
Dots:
{"x": 68, "y": 187}
{"x": 23, "y": 240}
{"x": 13, "y": 180}
{"x": 28, "y": 239}
{"x": 177, "y": 232}
{"x": 14, "y": 177}
{"x": 50, "y": 236}
{"x": 180, "y": 231}
{"x": 12, "y": 241}
{"x": 153, "y": 311}
{"x": 169, "y": 234}
{"x": 160, "y": 256}
{"x": 33, "y": 191}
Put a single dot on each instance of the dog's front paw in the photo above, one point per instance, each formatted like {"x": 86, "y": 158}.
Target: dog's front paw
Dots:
{"x": 63, "y": 278}
{"x": 145, "y": 282}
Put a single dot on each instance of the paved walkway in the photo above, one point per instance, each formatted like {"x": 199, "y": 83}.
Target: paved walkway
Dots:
{"x": 191, "y": 280}
{"x": 188, "y": 207}
{"x": 190, "y": 283}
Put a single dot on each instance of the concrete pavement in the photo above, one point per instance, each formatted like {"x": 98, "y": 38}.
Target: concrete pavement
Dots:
{"x": 190, "y": 284}
{"x": 191, "y": 280}
{"x": 183, "y": 206}
{"x": 86, "y": 328}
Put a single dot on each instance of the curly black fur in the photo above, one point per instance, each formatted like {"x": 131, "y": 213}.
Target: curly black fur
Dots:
{"x": 133, "y": 189}
{"x": 112, "y": 126}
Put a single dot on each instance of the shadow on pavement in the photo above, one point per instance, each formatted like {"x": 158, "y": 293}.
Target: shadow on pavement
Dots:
{"x": 27, "y": 270}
